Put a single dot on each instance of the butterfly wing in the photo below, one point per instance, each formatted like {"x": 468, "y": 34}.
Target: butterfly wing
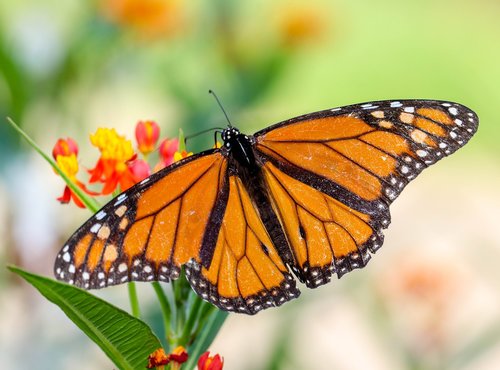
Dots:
{"x": 149, "y": 231}
{"x": 246, "y": 273}
{"x": 333, "y": 174}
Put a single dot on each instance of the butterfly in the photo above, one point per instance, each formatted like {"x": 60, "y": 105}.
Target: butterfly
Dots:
{"x": 305, "y": 198}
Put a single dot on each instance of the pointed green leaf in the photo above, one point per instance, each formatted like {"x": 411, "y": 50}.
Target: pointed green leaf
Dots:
{"x": 127, "y": 341}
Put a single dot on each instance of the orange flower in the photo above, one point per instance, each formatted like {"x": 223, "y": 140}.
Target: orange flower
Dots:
{"x": 146, "y": 134}
{"x": 113, "y": 167}
{"x": 65, "y": 152}
{"x": 151, "y": 18}
{"x": 301, "y": 24}
{"x": 158, "y": 359}
{"x": 207, "y": 362}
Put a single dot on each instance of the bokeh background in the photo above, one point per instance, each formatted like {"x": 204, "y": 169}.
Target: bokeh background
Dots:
{"x": 430, "y": 299}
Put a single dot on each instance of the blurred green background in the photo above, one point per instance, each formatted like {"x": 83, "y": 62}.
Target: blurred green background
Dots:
{"x": 430, "y": 299}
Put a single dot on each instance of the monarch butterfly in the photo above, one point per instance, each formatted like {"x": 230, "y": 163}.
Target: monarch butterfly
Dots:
{"x": 307, "y": 197}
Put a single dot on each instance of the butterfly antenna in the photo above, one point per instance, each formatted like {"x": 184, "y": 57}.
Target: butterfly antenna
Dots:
{"x": 216, "y": 129}
{"x": 221, "y": 107}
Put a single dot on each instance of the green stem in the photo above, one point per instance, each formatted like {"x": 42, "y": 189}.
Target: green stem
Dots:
{"x": 206, "y": 336}
{"x": 182, "y": 141}
{"x": 134, "y": 302}
{"x": 166, "y": 310}
{"x": 90, "y": 203}
{"x": 192, "y": 318}
{"x": 205, "y": 314}
{"x": 179, "y": 305}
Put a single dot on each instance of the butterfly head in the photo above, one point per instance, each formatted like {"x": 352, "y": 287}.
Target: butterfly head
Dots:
{"x": 228, "y": 133}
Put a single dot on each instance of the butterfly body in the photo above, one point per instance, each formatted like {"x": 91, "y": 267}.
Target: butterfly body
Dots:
{"x": 307, "y": 197}
{"x": 245, "y": 163}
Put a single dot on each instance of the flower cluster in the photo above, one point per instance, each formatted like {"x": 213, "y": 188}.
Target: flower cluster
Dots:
{"x": 119, "y": 165}
{"x": 158, "y": 359}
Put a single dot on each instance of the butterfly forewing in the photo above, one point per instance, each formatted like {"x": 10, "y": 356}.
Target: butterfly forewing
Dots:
{"x": 148, "y": 232}
{"x": 333, "y": 174}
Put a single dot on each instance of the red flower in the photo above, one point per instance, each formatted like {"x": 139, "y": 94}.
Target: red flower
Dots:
{"x": 158, "y": 358}
{"x": 65, "y": 152}
{"x": 207, "y": 362}
{"x": 65, "y": 147}
{"x": 167, "y": 150}
{"x": 113, "y": 167}
{"x": 140, "y": 169}
{"x": 146, "y": 134}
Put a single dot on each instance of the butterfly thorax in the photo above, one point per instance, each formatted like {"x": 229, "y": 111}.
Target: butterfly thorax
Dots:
{"x": 239, "y": 148}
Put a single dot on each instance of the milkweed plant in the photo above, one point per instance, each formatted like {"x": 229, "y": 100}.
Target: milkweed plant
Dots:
{"x": 189, "y": 323}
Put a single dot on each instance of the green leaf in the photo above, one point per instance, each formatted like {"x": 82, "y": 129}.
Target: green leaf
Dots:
{"x": 88, "y": 201}
{"x": 127, "y": 341}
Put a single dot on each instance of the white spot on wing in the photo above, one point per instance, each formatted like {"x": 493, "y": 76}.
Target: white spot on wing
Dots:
{"x": 66, "y": 257}
{"x": 120, "y": 199}
{"x": 95, "y": 228}
{"x": 99, "y": 216}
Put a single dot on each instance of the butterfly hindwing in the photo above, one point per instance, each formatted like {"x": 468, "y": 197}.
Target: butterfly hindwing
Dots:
{"x": 325, "y": 235}
{"x": 246, "y": 273}
{"x": 148, "y": 232}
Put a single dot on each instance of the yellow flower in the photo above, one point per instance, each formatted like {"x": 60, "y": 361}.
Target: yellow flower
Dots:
{"x": 113, "y": 167}
{"x": 112, "y": 145}
{"x": 181, "y": 155}
{"x": 68, "y": 165}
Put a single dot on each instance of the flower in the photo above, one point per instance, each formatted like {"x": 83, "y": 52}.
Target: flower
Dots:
{"x": 421, "y": 293}
{"x": 150, "y": 18}
{"x": 167, "y": 150}
{"x": 158, "y": 358}
{"x": 65, "y": 147}
{"x": 64, "y": 153}
{"x": 181, "y": 155}
{"x": 113, "y": 167}
{"x": 301, "y": 24}
{"x": 146, "y": 134}
{"x": 140, "y": 169}
{"x": 207, "y": 362}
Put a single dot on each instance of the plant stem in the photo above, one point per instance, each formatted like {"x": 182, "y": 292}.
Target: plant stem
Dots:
{"x": 134, "y": 302}
{"x": 166, "y": 310}
{"x": 192, "y": 318}
{"x": 206, "y": 336}
{"x": 89, "y": 202}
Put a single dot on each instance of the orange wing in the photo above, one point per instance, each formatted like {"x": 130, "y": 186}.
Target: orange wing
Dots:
{"x": 333, "y": 174}
{"x": 246, "y": 273}
{"x": 325, "y": 235}
{"x": 150, "y": 230}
